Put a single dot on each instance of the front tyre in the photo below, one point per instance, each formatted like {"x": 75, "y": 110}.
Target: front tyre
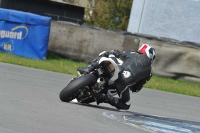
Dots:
{"x": 71, "y": 90}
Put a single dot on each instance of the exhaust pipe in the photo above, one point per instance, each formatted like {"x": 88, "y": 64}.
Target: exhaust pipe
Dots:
{"x": 99, "y": 85}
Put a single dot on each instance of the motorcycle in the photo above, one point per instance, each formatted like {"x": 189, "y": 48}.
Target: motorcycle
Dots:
{"x": 85, "y": 87}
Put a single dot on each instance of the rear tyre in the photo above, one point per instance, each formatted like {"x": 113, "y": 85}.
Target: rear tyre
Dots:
{"x": 71, "y": 90}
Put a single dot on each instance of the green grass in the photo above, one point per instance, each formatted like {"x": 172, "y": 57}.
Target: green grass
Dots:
{"x": 176, "y": 86}
{"x": 58, "y": 64}
{"x": 52, "y": 63}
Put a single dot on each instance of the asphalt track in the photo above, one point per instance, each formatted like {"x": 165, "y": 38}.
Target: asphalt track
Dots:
{"x": 29, "y": 103}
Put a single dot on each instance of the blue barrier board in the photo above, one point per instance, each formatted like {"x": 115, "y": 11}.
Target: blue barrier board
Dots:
{"x": 24, "y": 34}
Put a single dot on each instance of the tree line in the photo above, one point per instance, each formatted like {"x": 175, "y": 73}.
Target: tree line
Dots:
{"x": 109, "y": 14}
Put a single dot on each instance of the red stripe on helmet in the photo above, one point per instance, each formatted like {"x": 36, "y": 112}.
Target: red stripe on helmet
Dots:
{"x": 142, "y": 50}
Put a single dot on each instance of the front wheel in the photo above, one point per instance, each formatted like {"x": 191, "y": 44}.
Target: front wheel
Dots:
{"x": 71, "y": 90}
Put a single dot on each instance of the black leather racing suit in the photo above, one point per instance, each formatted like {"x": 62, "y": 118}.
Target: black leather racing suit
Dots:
{"x": 139, "y": 65}
{"x": 134, "y": 73}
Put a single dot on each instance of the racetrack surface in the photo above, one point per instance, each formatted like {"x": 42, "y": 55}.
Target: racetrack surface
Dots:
{"x": 30, "y": 103}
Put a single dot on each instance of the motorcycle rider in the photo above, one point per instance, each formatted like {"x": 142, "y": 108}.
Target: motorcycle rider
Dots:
{"x": 135, "y": 72}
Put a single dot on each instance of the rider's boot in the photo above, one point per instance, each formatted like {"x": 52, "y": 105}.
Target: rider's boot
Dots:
{"x": 114, "y": 101}
{"x": 89, "y": 68}
{"x": 86, "y": 70}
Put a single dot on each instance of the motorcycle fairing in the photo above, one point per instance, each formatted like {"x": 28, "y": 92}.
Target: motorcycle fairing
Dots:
{"x": 116, "y": 67}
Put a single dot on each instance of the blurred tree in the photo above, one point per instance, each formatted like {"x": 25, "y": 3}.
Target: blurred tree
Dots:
{"x": 109, "y": 14}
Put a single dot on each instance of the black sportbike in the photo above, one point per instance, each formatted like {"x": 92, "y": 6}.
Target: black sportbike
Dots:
{"x": 85, "y": 87}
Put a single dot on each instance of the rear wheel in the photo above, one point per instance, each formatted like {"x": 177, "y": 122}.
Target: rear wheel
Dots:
{"x": 72, "y": 89}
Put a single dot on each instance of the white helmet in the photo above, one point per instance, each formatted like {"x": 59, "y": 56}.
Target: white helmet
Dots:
{"x": 148, "y": 50}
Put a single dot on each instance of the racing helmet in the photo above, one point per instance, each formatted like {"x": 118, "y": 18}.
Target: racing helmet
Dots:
{"x": 148, "y": 50}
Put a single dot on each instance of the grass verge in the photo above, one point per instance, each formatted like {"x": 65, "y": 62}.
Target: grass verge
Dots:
{"x": 175, "y": 86}
{"x": 58, "y": 64}
{"x": 52, "y": 63}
